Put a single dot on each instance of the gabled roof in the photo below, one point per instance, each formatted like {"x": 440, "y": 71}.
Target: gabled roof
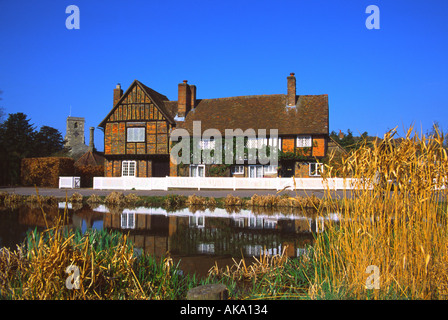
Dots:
{"x": 156, "y": 98}
{"x": 309, "y": 116}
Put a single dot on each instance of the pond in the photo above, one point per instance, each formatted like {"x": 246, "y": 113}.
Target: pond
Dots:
{"x": 196, "y": 236}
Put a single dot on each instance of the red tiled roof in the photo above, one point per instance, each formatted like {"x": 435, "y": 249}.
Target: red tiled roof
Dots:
{"x": 309, "y": 116}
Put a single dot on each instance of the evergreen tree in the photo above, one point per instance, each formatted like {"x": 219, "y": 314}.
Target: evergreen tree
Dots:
{"x": 16, "y": 142}
{"x": 47, "y": 142}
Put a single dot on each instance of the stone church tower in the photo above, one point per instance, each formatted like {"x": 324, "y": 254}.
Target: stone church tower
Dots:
{"x": 74, "y": 138}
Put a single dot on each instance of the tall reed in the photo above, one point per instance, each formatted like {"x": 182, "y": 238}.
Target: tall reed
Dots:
{"x": 395, "y": 219}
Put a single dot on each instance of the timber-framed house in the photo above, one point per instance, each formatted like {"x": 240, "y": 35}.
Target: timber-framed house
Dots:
{"x": 136, "y": 133}
{"x": 137, "y": 130}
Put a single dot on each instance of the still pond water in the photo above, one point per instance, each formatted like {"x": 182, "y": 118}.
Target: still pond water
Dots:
{"x": 197, "y": 237}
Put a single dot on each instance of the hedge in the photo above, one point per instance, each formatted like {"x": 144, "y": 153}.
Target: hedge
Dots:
{"x": 45, "y": 172}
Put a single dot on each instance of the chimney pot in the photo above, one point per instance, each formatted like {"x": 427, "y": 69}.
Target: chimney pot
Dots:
{"x": 91, "y": 145}
{"x": 183, "y": 99}
{"x": 192, "y": 96}
{"x": 118, "y": 93}
{"x": 291, "y": 86}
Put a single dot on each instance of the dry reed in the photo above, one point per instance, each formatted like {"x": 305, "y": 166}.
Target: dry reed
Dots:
{"x": 395, "y": 219}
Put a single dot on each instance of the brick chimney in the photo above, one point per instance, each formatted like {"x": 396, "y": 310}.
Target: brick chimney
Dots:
{"x": 91, "y": 145}
{"x": 291, "y": 96}
{"x": 193, "y": 96}
{"x": 118, "y": 93}
{"x": 184, "y": 99}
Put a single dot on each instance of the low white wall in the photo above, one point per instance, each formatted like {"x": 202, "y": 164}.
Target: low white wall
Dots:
{"x": 69, "y": 182}
{"x": 129, "y": 183}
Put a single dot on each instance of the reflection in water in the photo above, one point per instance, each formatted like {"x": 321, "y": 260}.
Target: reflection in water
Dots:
{"x": 197, "y": 237}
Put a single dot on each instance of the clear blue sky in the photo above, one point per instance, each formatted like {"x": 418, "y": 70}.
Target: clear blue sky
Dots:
{"x": 375, "y": 79}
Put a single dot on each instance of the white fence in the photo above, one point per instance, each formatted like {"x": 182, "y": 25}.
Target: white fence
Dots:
{"x": 129, "y": 183}
{"x": 69, "y": 182}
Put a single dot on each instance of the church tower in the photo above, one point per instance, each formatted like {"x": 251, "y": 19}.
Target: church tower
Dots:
{"x": 74, "y": 138}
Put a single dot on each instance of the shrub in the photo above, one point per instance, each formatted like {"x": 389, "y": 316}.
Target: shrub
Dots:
{"x": 76, "y": 197}
{"x": 94, "y": 199}
{"x": 131, "y": 199}
{"x": 45, "y": 172}
{"x": 231, "y": 200}
{"x": 115, "y": 198}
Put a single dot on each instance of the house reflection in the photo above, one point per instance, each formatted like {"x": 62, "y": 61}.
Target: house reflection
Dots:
{"x": 197, "y": 237}
{"x": 215, "y": 233}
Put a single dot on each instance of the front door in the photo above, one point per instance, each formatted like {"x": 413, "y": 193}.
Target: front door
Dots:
{"x": 287, "y": 170}
{"x": 160, "y": 168}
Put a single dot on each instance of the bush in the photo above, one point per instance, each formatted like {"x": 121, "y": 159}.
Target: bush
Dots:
{"x": 115, "y": 198}
{"x": 45, "y": 172}
{"x": 76, "y": 197}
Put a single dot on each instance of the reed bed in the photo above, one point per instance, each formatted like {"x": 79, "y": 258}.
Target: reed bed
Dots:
{"x": 267, "y": 277}
{"x": 396, "y": 220}
{"x": 232, "y": 201}
{"x": 195, "y": 200}
{"x": 285, "y": 201}
{"x": 108, "y": 268}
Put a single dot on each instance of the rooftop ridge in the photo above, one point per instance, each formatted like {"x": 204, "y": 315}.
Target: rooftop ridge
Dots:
{"x": 254, "y": 96}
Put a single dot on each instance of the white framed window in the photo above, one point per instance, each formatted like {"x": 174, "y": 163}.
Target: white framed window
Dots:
{"x": 239, "y": 222}
{"x": 251, "y": 143}
{"x": 256, "y": 171}
{"x": 260, "y": 142}
{"x": 270, "y": 223}
{"x": 207, "y": 144}
{"x": 275, "y": 142}
{"x": 206, "y": 248}
{"x": 197, "y": 170}
{"x": 316, "y": 169}
{"x": 135, "y": 135}
{"x": 128, "y": 168}
{"x": 270, "y": 169}
{"x": 196, "y": 221}
{"x": 128, "y": 220}
{"x": 304, "y": 141}
{"x": 238, "y": 169}
{"x": 256, "y": 222}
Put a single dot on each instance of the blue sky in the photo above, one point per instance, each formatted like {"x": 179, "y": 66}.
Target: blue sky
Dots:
{"x": 376, "y": 79}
